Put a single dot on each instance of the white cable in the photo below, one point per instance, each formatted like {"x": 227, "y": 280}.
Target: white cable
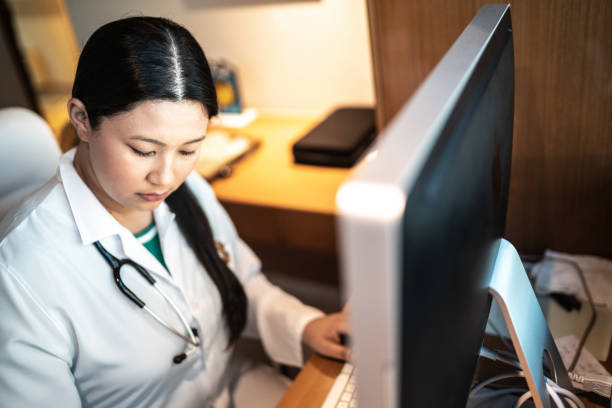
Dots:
{"x": 553, "y": 394}
{"x": 527, "y": 396}
{"x": 568, "y": 394}
{"x": 494, "y": 379}
{"x": 570, "y": 402}
{"x": 524, "y": 398}
{"x": 486, "y": 395}
{"x": 552, "y": 389}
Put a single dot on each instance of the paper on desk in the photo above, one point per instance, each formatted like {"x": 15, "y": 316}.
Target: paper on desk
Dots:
{"x": 557, "y": 276}
{"x": 587, "y": 363}
{"x": 234, "y": 120}
{"x": 219, "y": 149}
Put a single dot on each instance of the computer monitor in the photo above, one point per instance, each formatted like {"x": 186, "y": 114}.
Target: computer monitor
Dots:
{"x": 421, "y": 223}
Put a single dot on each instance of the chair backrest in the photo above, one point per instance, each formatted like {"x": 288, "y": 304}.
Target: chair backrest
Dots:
{"x": 29, "y": 155}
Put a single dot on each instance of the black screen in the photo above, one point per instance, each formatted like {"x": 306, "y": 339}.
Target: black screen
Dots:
{"x": 453, "y": 221}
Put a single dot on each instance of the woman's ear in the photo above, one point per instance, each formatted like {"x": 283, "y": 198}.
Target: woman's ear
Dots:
{"x": 79, "y": 119}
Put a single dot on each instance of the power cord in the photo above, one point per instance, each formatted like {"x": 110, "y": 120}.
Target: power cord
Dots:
{"x": 591, "y": 303}
{"x": 599, "y": 384}
{"x": 559, "y": 395}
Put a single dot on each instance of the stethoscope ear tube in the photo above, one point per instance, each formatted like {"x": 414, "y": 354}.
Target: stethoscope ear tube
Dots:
{"x": 123, "y": 288}
{"x": 126, "y": 291}
{"x": 110, "y": 259}
{"x": 116, "y": 265}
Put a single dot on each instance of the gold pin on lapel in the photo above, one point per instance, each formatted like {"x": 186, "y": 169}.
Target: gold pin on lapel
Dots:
{"x": 223, "y": 254}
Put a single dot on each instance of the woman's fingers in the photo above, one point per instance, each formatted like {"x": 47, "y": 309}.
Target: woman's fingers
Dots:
{"x": 343, "y": 326}
{"x": 325, "y": 335}
{"x": 334, "y": 350}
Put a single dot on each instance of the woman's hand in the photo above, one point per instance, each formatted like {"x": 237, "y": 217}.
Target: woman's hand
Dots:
{"x": 324, "y": 335}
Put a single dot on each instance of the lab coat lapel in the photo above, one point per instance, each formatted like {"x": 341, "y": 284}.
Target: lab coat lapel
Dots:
{"x": 92, "y": 220}
{"x": 170, "y": 243}
{"x": 95, "y": 223}
{"x": 167, "y": 231}
{"x": 169, "y": 239}
{"x": 135, "y": 251}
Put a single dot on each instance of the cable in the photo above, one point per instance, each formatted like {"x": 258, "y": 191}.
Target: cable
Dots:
{"x": 553, "y": 390}
{"x": 591, "y": 303}
{"x": 566, "y": 394}
{"x": 524, "y": 398}
{"x": 485, "y": 395}
{"x": 598, "y": 384}
{"x": 503, "y": 376}
{"x": 575, "y": 265}
{"x": 553, "y": 394}
{"x": 570, "y": 403}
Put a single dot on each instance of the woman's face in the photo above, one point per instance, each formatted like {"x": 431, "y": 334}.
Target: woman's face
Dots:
{"x": 141, "y": 156}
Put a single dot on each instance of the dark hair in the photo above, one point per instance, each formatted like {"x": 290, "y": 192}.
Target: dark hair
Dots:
{"x": 145, "y": 58}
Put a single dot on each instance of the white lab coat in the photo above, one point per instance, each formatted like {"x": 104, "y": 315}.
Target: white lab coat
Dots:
{"x": 70, "y": 338}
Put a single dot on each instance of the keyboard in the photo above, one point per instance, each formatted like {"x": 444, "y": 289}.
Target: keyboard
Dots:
{"x": 342, "y": 394}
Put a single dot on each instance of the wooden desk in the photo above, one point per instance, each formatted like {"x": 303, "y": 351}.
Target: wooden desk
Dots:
{"x": 312, "y": 384}
{"x": 283, "y": 210}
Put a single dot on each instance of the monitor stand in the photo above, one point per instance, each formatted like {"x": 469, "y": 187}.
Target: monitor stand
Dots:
{"x": 526, "y": 324}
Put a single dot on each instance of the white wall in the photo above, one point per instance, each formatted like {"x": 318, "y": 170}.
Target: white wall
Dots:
{"x": 291, "y": 55}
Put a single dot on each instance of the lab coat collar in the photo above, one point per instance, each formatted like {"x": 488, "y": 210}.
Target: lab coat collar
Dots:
{"x": 93, "y": 221}
{"x": 163, "y": 219}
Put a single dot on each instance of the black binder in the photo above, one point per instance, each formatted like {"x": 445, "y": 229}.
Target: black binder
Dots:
{"x": 338, "y": 140}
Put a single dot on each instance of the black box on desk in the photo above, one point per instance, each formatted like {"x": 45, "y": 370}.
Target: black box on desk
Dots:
{"x": 339, "y": 140}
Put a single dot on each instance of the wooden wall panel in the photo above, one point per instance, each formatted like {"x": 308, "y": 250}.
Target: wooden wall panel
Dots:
{"x": 561, "y": 182}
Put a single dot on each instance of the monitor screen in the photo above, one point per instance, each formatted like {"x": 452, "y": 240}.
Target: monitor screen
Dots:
{"x": 421, "y": 219}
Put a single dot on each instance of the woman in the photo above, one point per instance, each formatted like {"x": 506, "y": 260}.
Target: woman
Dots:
{"x": 73, "y": 332}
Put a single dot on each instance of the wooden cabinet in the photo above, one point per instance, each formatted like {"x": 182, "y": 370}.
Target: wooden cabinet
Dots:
{"x": 561, "y": 182}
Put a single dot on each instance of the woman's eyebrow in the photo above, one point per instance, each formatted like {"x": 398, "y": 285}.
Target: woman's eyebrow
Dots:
{"x": 199, "y": 139}
{"x": 157, "y": 142}
{"x": 149, "y": 140}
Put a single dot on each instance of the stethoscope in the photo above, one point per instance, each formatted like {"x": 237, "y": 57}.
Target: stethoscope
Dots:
{"x": 116, "y": 265}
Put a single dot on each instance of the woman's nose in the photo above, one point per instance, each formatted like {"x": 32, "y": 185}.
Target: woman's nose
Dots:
{"x": 162, "y": 173}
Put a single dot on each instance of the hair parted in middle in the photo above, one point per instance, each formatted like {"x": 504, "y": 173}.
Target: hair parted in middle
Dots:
{"x": 139, "y": 59}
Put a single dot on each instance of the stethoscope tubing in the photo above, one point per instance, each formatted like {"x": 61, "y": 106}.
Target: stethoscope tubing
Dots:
{"x": 116, "y": 265}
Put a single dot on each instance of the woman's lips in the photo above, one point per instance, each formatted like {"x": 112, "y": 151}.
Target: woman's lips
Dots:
{"x": 152, "y": 196}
